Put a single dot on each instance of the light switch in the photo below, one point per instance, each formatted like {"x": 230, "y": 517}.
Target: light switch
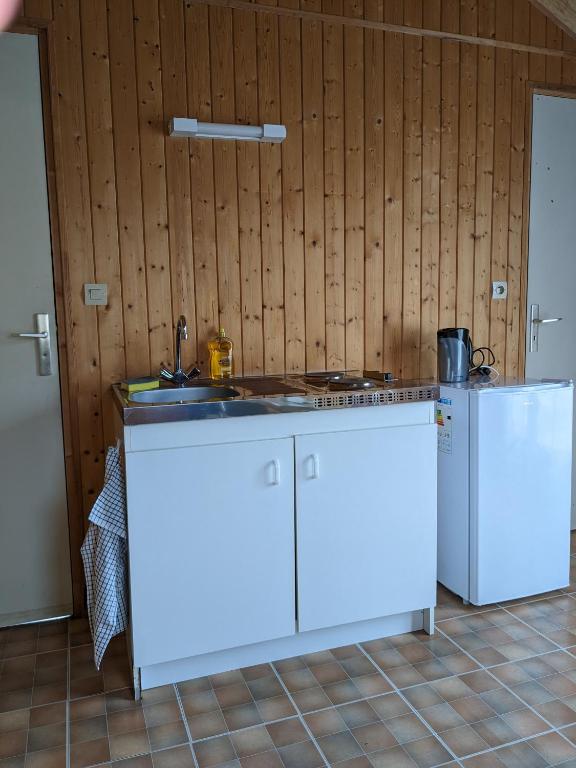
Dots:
{"x": 499, "y": 289}
{"x": 95, "y": 294}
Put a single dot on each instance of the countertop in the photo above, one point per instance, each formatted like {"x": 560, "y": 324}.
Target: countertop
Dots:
{"x": 272, "y": 395}
{"x": 506, "y": 382}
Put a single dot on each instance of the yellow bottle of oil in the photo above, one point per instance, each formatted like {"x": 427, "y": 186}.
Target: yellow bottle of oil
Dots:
{"x": 220, "y": 350}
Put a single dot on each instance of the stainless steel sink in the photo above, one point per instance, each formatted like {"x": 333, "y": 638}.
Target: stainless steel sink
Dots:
{"x": 183, "y": 395}
{"x": 198, "y": 403}
{"x": 224, "y": 409}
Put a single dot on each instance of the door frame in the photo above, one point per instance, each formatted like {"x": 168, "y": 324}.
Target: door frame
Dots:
{"x": 41, "y": 30}
{"x": 532, "y": 89}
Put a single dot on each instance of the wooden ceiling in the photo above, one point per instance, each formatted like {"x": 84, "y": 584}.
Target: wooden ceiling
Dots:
{"x": 563, "y": 12}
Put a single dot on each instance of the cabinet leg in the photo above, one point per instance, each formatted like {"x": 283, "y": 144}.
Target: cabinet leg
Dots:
{"x": 429, "y": 620}
{"x": 137, "y": 685}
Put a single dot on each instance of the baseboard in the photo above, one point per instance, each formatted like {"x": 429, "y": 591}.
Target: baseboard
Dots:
{"x": 38, "y": 614}
{"x": 272, "y": 650}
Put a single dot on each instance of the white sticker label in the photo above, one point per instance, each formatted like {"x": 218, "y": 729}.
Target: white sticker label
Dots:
{"x": 444, "y": 423}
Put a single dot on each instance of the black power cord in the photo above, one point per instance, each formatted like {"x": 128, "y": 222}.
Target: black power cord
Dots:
{"x": 485, "y": 366}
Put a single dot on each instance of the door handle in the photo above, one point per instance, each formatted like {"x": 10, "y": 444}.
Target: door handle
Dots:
{"x": 315, "y": 466}
{"x": 42, "y": 336}
{"x": 275, "y": 472}
{"x": 535, "y": 323}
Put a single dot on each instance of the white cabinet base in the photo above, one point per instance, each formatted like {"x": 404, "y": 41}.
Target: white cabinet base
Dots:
{"x": 213, "y": 574}
{"x": 285, "y": 647}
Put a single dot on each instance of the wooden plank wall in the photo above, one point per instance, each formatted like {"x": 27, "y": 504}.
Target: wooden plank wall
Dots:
{"x": 395, "y": 200}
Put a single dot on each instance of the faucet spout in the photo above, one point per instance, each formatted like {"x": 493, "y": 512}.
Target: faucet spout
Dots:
{"x": 181, "y": 333}
{"x": 179, "y": 377}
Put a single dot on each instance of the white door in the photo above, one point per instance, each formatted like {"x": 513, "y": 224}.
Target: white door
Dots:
{"x": 366, "y": 522}
{"x": 552, "y": 243}
{"x": 211, "y": 536}
{"x": 34, "y": 548}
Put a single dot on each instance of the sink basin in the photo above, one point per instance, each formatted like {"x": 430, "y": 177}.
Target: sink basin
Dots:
{"x": 222, "y": 409}
{"x": 244, "y": 408}
{"x": 199, "y": 403}
{"x": 183, "y": 395}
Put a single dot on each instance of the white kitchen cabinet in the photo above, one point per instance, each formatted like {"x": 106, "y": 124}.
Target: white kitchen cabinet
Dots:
{"x": 263, "y": 537}
{"x": 366, "y": 522}
{"x": 211, "y": 537}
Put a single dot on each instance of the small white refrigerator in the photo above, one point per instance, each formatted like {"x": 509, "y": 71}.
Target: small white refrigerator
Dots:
{"x": 504, "y": 488}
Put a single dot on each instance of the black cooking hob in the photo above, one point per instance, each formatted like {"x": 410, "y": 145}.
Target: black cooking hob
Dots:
{"x": 341, "y": 380}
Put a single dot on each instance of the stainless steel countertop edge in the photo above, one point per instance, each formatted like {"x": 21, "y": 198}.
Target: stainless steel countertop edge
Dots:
{"x": 314, "y": 398}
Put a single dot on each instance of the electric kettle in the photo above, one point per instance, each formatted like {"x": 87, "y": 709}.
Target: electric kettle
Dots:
{"x": 454, "y": 352}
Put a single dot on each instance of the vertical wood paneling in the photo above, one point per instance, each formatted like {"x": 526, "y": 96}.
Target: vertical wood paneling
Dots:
{"x": 128, "y": 186}
{"x": 154, "y": 206}
{"x": 247, "y": 159}
{"x": 98, "y": 108}
{"x": 553, "y": 65}
{"x": 467, "y": 167}
{"x": 72, "y": 174}
{"x": 313, "y": 151}
{"x": 271, "y": 197}
{"x": 393, "y": 187}
{"x": 225, "y": 177}
{"x": 449, "y": 167}
{"x": 202, "y": 179}
{"x": 354, "y": 187}
{"x": 514, "y": 308}
{"x": 411, "y": 301}
{"x": 374, "y": 187}
{"x": 501, "y": 196}
{"x": 538, "y": 25}
{"x": 536, "y": 74}
{"x": 175, "y": 101}
{"x": 484, "y": 176}
{"x": 431, "y": 101}
{"x": 38, "y": 9}
{"x": 333, "y": 53}
{"x": 568, "y": 65}
{"x": 398, "y": 195}
{"x": 292, "y": 190}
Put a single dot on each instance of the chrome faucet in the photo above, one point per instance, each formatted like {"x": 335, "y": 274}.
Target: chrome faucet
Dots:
{"x": 179, "y": 377}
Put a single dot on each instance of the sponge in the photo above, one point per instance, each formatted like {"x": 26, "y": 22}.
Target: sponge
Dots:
{"x": 138, "y": 385}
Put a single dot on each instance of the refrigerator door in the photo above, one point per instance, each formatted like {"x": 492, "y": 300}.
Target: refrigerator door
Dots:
{"x": 520, "y": 489}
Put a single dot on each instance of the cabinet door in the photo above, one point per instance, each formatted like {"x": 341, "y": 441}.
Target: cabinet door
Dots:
{"x": 366, "y": 523}
{"x": 211, "y": 538}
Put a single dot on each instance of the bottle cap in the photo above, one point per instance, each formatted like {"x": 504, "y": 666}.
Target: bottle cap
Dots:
{"x": 221, "y": 332}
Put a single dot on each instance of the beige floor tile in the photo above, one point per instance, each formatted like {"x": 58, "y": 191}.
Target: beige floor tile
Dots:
{"x": 347, "y": 696}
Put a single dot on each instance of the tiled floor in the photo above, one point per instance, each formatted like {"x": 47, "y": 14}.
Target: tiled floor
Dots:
{"x": 495, "y": 687}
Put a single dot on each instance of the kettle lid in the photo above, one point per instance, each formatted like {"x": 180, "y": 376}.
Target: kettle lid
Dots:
{"x": 454, "y": 333}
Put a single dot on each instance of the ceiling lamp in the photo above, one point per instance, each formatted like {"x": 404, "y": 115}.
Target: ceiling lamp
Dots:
{"x": 189, "y": 127}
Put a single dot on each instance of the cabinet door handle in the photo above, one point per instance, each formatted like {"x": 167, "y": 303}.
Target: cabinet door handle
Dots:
{"x": 275, "y": 472}
{"x": 315, "y": 467}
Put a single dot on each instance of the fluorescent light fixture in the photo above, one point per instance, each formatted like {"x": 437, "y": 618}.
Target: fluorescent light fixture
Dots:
{"x": 191, "y": 128}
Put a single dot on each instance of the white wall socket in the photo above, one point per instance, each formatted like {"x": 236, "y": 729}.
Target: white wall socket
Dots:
{"x": 499, "y": 289}
{"x": 95, "y": 294}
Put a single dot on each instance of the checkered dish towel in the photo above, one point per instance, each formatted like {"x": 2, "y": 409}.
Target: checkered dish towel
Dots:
{"x": 104, "y": 553}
